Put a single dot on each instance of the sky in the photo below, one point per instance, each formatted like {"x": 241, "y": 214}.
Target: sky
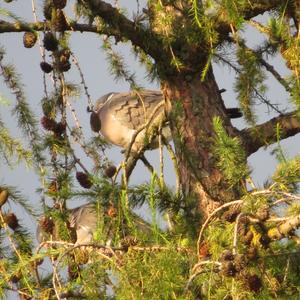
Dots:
{"x": 87, "y": 48}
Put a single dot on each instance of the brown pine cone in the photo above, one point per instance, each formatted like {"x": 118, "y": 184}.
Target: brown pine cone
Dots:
{"x": 60, "y": 128}
{"x": 29, "y": 39}
{"x": 47, "y": 68}
{"x": 253, "y": 282}
{"x": 53, "y": 187}
{"x": 59, "y": 21}
{"x": 95, "y": 122}
{"x": 50, "y": 42}
{"x": 129, "y": 241}
{"x": 228, "y": 269}
{"x": 227, "y": 255}
{"x": 64, "y": 66}
{"x": 110, "y": 171}
{"x": 84, "y": 180}
{"x": 48, "y": 124}
{"x": 46, "y": 224}
{"x": 47, "y": 9}
{"x": 11, "y": 220}
{"x": 112, "y": 212}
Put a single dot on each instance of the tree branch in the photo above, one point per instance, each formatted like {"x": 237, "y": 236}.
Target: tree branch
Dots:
{"x": 138, "y": 35}
{"x": 285, "y": 228}
{"x": 258, "y": 7}
{"x": 265, "y": 134}
{"x": 7, "y": 27}
{"x": 249, "y": 11}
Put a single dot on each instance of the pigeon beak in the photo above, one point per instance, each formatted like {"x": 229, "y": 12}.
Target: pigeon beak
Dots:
{"x": 95, "y": 122}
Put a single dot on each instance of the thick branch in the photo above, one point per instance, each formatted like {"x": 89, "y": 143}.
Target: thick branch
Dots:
{"x": 259, "y": 7}
{"x": 7, "y": 27}
{"x": 284, "y": 229}
{"x": 276, "y": 75}
{"x": 119, "y": 26}
{"x": 265, "y": 134}
{"x": 251, "y": 10}
{"x": 138, "y": 35}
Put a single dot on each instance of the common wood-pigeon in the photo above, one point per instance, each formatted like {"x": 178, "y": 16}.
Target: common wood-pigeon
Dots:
{"x": 82, "y": 219}
{"x": 118, "y": 115}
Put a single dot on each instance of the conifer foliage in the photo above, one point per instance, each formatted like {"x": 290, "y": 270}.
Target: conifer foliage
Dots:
{"x": 227, "y": 236}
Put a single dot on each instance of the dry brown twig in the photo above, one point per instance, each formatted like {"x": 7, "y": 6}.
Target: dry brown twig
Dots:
{"x": 214, "y": 213}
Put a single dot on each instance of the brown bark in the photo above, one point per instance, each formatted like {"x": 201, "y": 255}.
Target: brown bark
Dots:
{"x": 191, "y": 106}
{"x": 265, "y": 134}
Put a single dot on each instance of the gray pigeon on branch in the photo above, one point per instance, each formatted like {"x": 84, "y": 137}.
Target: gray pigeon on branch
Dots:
{"x": 117, "y": 116}
{"x": 82, "y": 219}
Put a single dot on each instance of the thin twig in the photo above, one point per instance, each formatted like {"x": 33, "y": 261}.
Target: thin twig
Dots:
{"x": 235, "y": 235}
{"x": 161, "y": 158}
{"x": 277, "y": 76}
{"x": 5, "y": 226}
{"x": 217, "y": 210}
{"x": 147, "y": 164}
{"x": 146, "y": 125}
{"x": 197, "y": 273}
{"x": 175, "y": 164}
{"x": 257, "y": 93}
{"x": 75, "y": 61}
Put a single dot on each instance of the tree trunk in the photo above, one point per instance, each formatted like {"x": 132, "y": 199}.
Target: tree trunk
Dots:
{"x": 191, "y": 106}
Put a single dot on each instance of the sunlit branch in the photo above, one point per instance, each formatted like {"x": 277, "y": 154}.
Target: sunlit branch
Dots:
{"x": 289, "y": 124}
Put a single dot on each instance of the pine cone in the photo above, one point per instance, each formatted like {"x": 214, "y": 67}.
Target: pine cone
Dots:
{"x": 59, "y": 3}
{"x": 16, "y": 277}
{"x": 265, "y": 240}
{"x": 252, "y": 253}
{"x": 59, "y": 21}
{"x": 81, "y": 256}
{"x": 240, "y": 262}
{"x": 95, "y": 122}
{"x": 227, "y": 255}
{"x": 47, "y": 107}
{"x": 48, "y": 124}
{"x": 52, "y": 188}
{"x": 60, "y": 128}
{"x": 47, "y": 68}
{"x": 11, "y": 220}
{"x": 129, "y": 241}
{"x": 50, "y": 42}
{"x": 263, "y": 213}
{"x": 64, "y": 66}
{"x": 47, "y": 224}
{"x": 64, "y": 55}
{"x": 3, "y": 197}
{"x": 112, "y": 212}
{"x": 110, "y": 171}
{"x": 47, "y": 9}
{"x": 247, "y": 238}
{"x": 29, "y": 39}
{"x": 84, "y": 180}
{"x": 253, "y": 282}
{"x": 228, "y": 268}
{"x": 204, "y": 250}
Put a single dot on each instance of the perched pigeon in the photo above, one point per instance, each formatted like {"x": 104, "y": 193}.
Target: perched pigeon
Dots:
{"x": 118, "y": 115}
{"x": 83, "y": 219}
